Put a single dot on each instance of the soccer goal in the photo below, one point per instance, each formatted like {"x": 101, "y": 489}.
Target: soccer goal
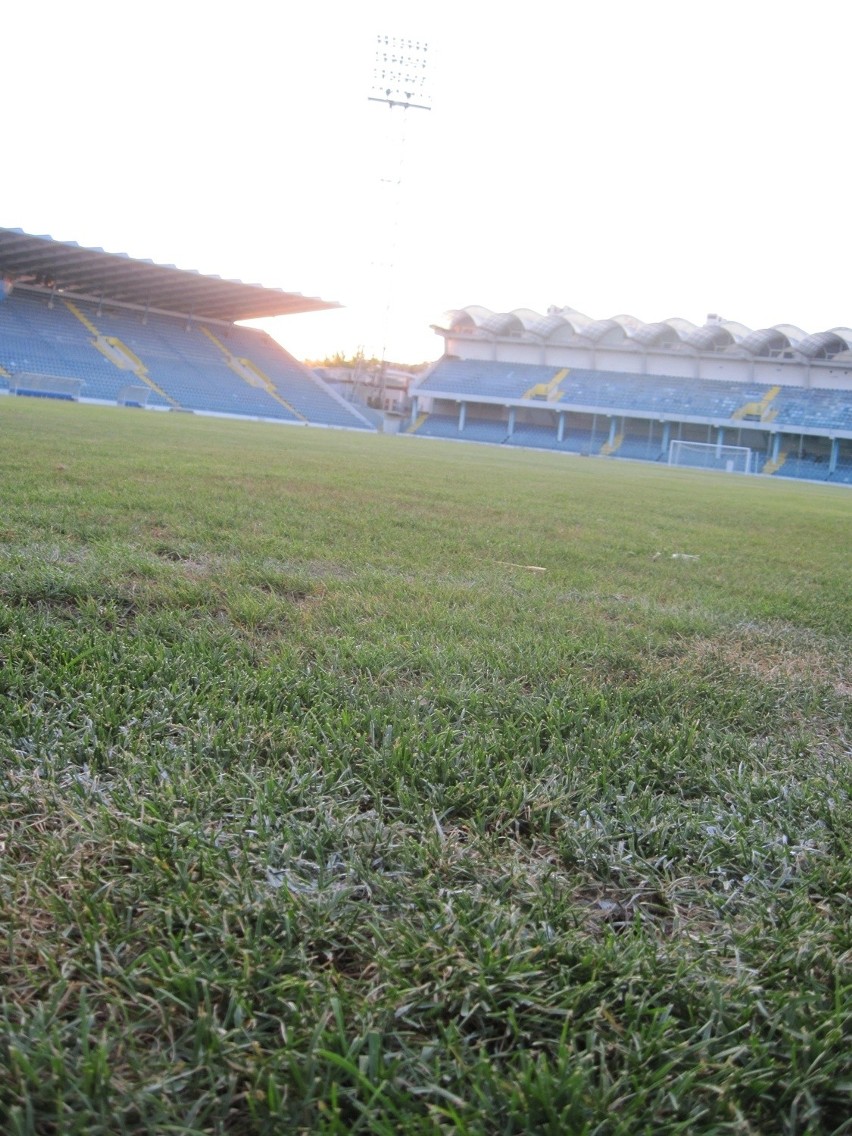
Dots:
{"x": 133, "y": 396}
{"x": 38, "y": 385}
{"x": 711, "y": 455}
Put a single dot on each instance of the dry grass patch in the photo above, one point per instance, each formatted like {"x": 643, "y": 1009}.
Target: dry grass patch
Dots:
{"x": 789, "y": 659}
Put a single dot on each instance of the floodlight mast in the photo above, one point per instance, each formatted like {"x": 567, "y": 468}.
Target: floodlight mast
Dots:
{"x": 400, "y": 82}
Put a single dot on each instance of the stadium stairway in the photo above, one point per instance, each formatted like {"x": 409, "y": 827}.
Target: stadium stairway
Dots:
{"x": 189, "y": 368}
{"x": 610, "y": 448}
{"x": 119, "y": 354}
{"x": 309, "y": 396}
{"x": 464, "y": 377}
{"x": 246, "y": 370}
{"x": 39, "y": 335}
{"x": 758, "y": 411}
{"x": 775, "y": 464}
{"x": 548, "y": 391}
{"x": 84, "y": 319}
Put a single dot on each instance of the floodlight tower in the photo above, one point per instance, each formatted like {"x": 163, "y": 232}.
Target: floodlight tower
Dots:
{"x": 400, "y": 73}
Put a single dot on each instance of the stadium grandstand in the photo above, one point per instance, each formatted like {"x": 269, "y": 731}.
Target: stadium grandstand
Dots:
{"x": 85, "y": 325}
{"x": 627, "y": 389}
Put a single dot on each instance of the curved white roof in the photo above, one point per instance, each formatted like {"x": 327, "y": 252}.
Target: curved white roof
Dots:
{"x": 454, "y": 320}
{"x": 628, "y": 322}
{"x": 766, "y": 342}
{"x": 527, "y": 317}
{"x": 552, "y": 326}
{"x": 656, "y": 335}
{"x": 604, "y": 331}
{"x": 793, "y": 333}
{"x": 575, "y": 318}
{"x": 566, "y": 324}
{"x": 682, "y": 326}
{"x": 711, "y": 337}
{"x": 502, "y": 323}
{"x": 823, "y": 345}
{"x": 738, "y": 330}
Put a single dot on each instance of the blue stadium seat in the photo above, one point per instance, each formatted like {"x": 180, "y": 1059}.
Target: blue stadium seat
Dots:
{"x": 41, "y": 334}
{"x": 602, "y": 390}
{"x": 686, "y": 404}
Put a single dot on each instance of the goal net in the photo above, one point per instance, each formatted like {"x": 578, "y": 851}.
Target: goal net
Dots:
{"x": 131, "y": 395}
{"x": 38, "y": 385}
{"x": 711, "y": 455}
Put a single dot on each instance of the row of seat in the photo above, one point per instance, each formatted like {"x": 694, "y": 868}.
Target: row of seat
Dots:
{"x": 46, "y": 336}
{"x": 524, "y": 434}
{"x": 625, "y": 392}
{"x": 814, "y": 467}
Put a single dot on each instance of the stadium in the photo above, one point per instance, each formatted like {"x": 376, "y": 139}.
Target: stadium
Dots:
{"x": 82, "y": 324}
{"x": 356, "y": 784}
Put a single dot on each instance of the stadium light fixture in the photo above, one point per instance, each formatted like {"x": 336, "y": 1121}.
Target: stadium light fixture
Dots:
{"x": 400, "y": 73}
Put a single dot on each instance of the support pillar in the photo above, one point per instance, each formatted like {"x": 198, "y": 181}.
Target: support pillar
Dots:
{"x": 414, "y": 410}
{"x": 835, "y": 453}
{"x": 560, "y": 429}
{"x": 511, "y": 421}
{"x": 462, "y": 415}
{"x": 612, "y": 430}
{"x": 776, "y": 446}
{"x": 667, "y": 432}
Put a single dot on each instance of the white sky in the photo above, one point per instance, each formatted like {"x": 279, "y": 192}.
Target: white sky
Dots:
{"x": 664, "y": 158}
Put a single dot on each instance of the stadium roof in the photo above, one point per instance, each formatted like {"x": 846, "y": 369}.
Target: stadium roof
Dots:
{"x": 567, "y": 326}
{"x": 70, "y": 268}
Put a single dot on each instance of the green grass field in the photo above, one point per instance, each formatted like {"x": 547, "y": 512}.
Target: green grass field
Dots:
{"x": 320, "y": 811}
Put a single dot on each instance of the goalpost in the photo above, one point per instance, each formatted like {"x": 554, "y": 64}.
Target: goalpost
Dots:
{"x": 36, "y": 384}
{"x": 711, "y": 455}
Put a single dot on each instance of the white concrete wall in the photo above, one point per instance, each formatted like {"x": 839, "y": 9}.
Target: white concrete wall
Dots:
{"x": 470, "y": 348}
{"x": 725, "y": 369}
{"x": 829, "y": 377}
